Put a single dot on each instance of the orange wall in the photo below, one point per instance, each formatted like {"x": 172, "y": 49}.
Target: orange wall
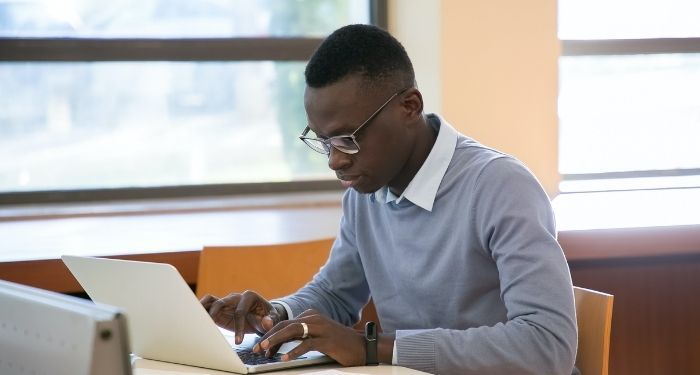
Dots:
{"x": 491, "y": 68}
{"x": 499, "y": 78}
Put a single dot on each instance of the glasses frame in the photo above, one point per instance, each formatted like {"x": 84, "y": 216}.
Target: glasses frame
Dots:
{"x": 327, "y": 143}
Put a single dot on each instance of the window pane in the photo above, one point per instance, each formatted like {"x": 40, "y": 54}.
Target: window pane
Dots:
{"x": 103, "y": 125}
{"x": 627, "y": 113}
{"x": 178, "y": 18}
{"x": 628, "y": 19}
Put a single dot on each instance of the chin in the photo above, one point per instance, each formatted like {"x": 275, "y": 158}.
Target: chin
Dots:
{"x": 366, "y": 189}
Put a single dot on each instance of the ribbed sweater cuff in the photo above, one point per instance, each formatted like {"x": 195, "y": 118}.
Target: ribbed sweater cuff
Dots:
{"x": 417, "y": 350}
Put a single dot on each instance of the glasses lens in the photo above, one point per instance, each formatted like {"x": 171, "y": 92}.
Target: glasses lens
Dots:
{"x": 316, "y": 145}
{"x": 345, "y": 144}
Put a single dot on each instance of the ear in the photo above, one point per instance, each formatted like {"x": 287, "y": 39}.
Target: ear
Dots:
{"x": 412, "y": 103}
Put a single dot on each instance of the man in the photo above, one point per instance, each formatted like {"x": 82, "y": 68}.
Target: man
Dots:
{"x": 454, "y": 241}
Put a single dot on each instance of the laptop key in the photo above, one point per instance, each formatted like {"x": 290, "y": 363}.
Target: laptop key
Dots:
{"x": 250, "y": 358}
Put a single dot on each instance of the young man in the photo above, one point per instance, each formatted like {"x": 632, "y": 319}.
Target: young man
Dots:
{"x": 454, "y": 241}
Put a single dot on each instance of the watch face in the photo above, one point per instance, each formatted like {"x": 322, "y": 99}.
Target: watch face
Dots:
{"x": 371, "y": 331}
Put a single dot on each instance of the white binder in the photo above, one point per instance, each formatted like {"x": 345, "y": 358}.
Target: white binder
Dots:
{"x": 43, "y": 332}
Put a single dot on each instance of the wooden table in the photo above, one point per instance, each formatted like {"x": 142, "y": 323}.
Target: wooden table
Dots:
{"x": 148, "y": 367}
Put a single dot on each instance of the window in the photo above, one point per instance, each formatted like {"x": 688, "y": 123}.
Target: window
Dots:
{"x": 629, "y": 83}
{"x": 173, "y": 95}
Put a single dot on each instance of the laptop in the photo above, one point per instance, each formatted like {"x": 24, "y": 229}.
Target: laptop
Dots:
{"x": 166, "y": 320}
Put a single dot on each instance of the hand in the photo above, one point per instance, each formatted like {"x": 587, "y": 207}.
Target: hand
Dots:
{"x": 343, "y": 344}
{"x": 242, "y": 313}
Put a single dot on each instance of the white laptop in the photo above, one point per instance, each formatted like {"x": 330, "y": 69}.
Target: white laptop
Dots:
{"x": 166, "y": 320}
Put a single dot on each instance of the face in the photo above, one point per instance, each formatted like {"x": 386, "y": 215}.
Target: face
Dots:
{"x": 385, "y": 142}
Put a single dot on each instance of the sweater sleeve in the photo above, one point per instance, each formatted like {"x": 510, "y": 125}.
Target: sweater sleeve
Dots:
{"x": 339, "y": 290}
{"x": 511, "y": 216}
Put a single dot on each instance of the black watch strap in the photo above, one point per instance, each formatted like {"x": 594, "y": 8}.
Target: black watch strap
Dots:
{"x": 371, "y": 344}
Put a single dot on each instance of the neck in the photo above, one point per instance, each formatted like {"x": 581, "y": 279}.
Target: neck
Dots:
{"x": 424, "y": 141}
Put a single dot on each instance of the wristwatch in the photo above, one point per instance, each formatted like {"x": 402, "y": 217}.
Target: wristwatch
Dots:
{"x": 371, "y": 344}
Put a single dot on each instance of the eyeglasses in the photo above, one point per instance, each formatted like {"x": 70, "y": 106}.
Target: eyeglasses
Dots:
{"x": 343, "y": 143}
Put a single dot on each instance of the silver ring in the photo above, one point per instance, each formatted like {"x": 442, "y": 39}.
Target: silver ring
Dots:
{"x": 306, "y": 330}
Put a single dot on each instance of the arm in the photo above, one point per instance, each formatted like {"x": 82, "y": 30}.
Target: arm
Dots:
{"x": 512, "y": 218}
{"x": 339, "y": 290}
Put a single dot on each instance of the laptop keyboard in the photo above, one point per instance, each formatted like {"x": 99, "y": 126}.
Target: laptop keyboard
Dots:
{"x": 250, "y": 358}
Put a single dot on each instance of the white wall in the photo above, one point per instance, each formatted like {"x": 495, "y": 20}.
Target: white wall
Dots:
{"x": 416, "y": 24}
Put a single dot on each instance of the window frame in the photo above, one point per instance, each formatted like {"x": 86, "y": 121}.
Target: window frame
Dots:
{"x": 171, "y": 49}
{"x": 606, "y": 47}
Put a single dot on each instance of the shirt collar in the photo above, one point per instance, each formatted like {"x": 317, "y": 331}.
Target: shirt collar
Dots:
{"x": 422, "y": 189}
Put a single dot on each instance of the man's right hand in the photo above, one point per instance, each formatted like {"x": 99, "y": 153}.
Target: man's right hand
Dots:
{"x": 246, "y": 312}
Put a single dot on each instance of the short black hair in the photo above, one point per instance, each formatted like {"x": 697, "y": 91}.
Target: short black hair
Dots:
{"x": 360, "y": 49}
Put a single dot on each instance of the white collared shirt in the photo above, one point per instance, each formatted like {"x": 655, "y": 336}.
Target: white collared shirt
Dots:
{"x": 423, "y": 187}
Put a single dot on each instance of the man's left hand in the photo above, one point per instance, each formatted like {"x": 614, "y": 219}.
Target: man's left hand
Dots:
{"x": 343, "y": 344}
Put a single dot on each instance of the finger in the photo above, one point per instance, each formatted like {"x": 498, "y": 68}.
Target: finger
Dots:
{"x": 220, "y": 303}
{"x": 281, "y": 325}
{"x": 292, "y": 331}
{"x": 267, "y": 323}
{"x": 307, "y": 313}
{"x": 301, "y": 349}
{"x": 274, "y": 316}
{"x": 255, "y": 321}
{"x": 270, "y": 327}
{"x": 247, "y": 300}
{"x": 207, "y": 300}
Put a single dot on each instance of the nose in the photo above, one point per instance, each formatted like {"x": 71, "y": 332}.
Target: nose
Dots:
{"x": 338, "y": 160}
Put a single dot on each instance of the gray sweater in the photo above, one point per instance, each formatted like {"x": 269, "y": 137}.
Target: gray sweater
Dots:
{"x": 464, "y": 266}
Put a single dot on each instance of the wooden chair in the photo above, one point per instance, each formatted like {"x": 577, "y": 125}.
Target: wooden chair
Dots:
{"x": 594, "y": 318}
{"x": 273, "y": 271}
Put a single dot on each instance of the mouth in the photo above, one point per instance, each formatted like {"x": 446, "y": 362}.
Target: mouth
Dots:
{"x": 347, "y": 181}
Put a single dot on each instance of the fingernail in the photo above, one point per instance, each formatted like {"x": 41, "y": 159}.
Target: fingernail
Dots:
{"x": 239, "y": 338}
{"x": 256, "y": 348}
{"x": 285, "y": 357}
{"x": 264, "y": 344}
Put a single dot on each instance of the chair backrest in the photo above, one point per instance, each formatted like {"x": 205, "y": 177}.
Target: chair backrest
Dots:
{"x": 270, "y": 270}
{"x": 594, "y": 319}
